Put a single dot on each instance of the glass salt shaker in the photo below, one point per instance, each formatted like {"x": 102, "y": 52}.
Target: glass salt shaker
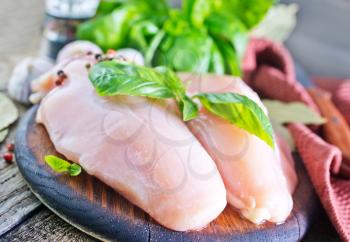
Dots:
{"x": 61, "y": 21}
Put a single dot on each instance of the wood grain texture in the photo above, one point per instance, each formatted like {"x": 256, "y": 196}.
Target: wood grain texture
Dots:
{"x": 45, "y": 226}
{"x": 95, "y": 208}
{"x": 16, "y": 200}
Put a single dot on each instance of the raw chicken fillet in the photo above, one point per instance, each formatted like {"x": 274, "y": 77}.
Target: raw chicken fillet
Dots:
{"x": 180, "y": 173}
{"x": 259, "y": 180}
{"x": 137, "y": 147}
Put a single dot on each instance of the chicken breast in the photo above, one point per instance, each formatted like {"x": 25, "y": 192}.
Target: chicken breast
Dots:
{"x": 259, "y": 180}
{"x": 138, "y": 147}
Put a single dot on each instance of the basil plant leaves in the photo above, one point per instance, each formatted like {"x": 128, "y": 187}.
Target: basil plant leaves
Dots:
{"x": 112, "y": 78}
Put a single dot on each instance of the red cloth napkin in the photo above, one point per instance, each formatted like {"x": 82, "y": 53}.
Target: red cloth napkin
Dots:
{"x": 269, "y": 69}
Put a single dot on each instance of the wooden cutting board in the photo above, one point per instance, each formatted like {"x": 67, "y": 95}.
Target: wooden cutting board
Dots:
{"x": 98, "y": 210}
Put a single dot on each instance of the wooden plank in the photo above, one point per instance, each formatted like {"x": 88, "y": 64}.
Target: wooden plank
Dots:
{"x": 45, "y": 226}
{"x": 17, "y": 202}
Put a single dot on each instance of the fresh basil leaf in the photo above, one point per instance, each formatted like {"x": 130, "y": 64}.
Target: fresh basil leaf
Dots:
{"x": 189, "y": 52}
{"x": 217, "y": 62}
{"x": 240, "y": 111}
{"x": 60, "y": 165}
{"x": 109, "y": 31}
{"x": 116, "y": 78}
{"x": 230, "y": 30}
{"x": 232, "y": 60}
{"x": 74, "y": 169}
{"x": 141, "y": 34}
{"x": 153, "y": 46}
{"x": 198, "y": 10}
{"x": 57, "y": 164}
{"x": 293, "y": 112}
{"x": 188, "y": 108}
{"x": 183, "y": 48}
{"x": 250, "y": 12}
{"x": 171, "y": 80}
{"x": 107, "y": 6}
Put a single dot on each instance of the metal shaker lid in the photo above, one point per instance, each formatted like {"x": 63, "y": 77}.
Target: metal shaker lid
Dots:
{"x": 71, "y": 9}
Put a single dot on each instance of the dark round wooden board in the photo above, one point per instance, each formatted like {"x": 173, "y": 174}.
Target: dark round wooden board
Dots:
{"x": 98, "y": 210}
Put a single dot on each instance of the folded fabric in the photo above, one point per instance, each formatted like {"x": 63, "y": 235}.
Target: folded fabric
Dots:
{"x": 269, "y": 69}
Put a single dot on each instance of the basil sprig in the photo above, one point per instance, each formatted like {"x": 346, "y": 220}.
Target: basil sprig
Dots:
{"x": 112, "y": 78}
{"x": 119, "y": 78}
{"x": 59, "y": 165}
{"x": 240, "y": 111}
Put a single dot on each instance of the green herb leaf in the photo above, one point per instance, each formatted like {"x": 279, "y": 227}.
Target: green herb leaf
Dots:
{"x": 112, "y": 30}
{"x": 188, "y": 108}
{"x": 116, "y": 78}
{"x": 107, "y": 6}
{"x": 186, "y": 105}
{"x": 153, "y": 46}
{"x": 8, "y": 111}
{"x": 198, "y": 10}
{"x": 60, "y": 165}
{"x": 293, "y": 112}
{"x": 141, "y": 33}
{"x": 74, "y": 170}
{"x": 240, "y": 111}
{"x": 109, "y": 31}
{"x": 188, "y": 51}
{"x": 250, "y": 12}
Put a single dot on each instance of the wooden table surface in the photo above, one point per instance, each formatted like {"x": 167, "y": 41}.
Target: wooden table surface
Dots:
{"x": 22, "y": 216}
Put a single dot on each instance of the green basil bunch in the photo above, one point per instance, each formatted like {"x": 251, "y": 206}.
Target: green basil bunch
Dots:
{"x": 203, "y": 36}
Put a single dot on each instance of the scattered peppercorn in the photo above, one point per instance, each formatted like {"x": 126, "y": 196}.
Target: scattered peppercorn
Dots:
{"x": 59, "y": 82}
{"x": 98, "y": 57}
{"x": 60, "y": 73}
{"x": 8, "y": 157}
{"x": 10, "y": 147}
{"x": 61, "y": 77}
{"x": 88, "y": 65}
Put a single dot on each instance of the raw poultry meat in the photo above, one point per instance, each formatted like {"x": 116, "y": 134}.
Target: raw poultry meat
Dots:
{"x": 137, "y": 146}
{"x": 259, "y": 180}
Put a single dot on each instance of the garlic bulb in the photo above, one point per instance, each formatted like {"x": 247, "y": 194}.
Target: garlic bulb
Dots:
{"x": 24, "y": 72}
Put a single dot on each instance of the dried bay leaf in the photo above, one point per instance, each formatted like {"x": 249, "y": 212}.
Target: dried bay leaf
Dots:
{"x": 8, "y": 111}
{"x": 281, "y": 113}
{"x": 284, "y": 133}
{"x": 3, "y": 134}
{"x": 293, "y": 112}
